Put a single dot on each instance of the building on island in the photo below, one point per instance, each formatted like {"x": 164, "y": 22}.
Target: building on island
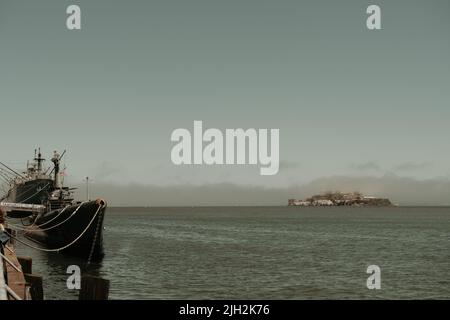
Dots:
{"x": 340, "y": 199}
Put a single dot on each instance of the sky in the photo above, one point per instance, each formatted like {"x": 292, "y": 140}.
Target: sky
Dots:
{"x": 349, "y": 102}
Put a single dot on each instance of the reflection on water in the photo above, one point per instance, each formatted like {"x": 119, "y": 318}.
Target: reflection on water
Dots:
{"x": 264, "y": 253}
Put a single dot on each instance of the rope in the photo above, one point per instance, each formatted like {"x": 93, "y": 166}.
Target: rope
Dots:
{"x": 23, "y": 224}
{"x": 35, "y": 193}
{"x": 95, "y": 237}
{"x": 24, "y": 192}
{"x": 64, "y": 247}
{"x": 49, "y": 228}
{"x": 43, "y": 224}
{"x": 12, "y": 293}
{"x": 9, "y": 261}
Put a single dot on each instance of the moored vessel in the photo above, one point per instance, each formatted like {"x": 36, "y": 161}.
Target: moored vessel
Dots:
{"x": 46, "y": 213}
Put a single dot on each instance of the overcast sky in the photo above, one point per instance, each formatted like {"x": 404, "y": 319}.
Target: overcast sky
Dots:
{"x": 349, "y": 102}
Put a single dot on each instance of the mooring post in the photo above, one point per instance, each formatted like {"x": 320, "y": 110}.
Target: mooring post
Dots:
{"x": 26, "y": 263}
{"x": 36, "y": 286}
{"x": 94, "y": 288}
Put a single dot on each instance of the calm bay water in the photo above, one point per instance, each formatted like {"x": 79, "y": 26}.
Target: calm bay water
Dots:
{"x": 265, "y": 253}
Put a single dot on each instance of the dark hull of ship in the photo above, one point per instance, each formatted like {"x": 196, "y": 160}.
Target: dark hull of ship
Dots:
{"x": 59, "y": 228}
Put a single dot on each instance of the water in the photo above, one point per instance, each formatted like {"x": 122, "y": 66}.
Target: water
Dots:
{"x": 265, "y": 253}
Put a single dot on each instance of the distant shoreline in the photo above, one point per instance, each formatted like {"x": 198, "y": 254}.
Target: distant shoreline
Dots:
{"x": 276, "y": 206}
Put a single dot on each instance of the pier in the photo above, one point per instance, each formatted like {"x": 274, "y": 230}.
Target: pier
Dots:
{"x": 16, "y": 279}
{"x": 17, "y": 282}
{"x": 13, "y": 285}
{"x": 55, "y": 222}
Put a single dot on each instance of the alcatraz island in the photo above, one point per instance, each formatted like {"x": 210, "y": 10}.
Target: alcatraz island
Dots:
{"x": 356, "y": 199}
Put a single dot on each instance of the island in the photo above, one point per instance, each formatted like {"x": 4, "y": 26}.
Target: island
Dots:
{"x": 341, "y": 199}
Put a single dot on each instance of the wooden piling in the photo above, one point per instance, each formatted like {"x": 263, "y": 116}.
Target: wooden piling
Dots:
{"x": 13, "y": 233}
{"x": 26, "y": 263}
{"x": 36, "y": 287}
{"x": 34, "y": 281}
{"x": 94, "y": 288}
